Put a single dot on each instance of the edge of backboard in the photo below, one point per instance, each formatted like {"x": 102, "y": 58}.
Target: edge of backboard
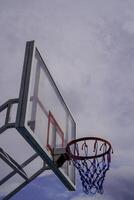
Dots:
{"x": 21, "y": 114}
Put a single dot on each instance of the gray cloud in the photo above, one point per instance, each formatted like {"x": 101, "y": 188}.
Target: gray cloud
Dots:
{"x": 88, "y": 47}
{"x": 121, "y": 184}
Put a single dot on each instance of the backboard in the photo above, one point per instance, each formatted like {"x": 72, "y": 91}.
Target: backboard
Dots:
{"x": 43, "y": 118}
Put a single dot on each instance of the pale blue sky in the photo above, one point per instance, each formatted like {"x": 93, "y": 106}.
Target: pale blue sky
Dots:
{"x": 88, "y": 47}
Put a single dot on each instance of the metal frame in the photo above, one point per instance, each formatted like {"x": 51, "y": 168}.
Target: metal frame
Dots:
{"x": 8, "y": 105}
{"x": 16, "y": 168}
{"x": 13, "y": 164}
{"x": 22, "y": 128}
{"x": 27, "y": 181}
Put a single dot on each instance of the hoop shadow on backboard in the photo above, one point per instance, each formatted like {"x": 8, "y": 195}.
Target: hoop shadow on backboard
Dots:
{"x": 32, "y": 126}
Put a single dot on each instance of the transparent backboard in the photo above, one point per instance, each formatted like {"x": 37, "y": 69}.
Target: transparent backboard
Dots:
{"x": 43, "y": 118}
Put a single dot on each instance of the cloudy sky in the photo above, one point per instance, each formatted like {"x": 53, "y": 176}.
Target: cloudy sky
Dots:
{"x": 88, "y": 47}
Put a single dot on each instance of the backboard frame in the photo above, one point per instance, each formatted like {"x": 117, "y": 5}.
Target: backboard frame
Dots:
{"x": 21, "y": 125}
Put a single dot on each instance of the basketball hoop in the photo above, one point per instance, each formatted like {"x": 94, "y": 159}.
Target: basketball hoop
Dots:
{"x": 91, "y": 156}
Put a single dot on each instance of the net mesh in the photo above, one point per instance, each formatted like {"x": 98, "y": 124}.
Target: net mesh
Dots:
{"x": 92, "y": 171}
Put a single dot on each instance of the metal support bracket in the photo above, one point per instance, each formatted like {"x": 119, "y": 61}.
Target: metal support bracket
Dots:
{"x": 59, "y": 156}
{"x": 13, "y": 164}
{"x": 17, "y": 168}
{"x": 7, "y": 106}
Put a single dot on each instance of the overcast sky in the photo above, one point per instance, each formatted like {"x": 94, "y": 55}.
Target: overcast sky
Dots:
{"x": 88, "y": 46}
